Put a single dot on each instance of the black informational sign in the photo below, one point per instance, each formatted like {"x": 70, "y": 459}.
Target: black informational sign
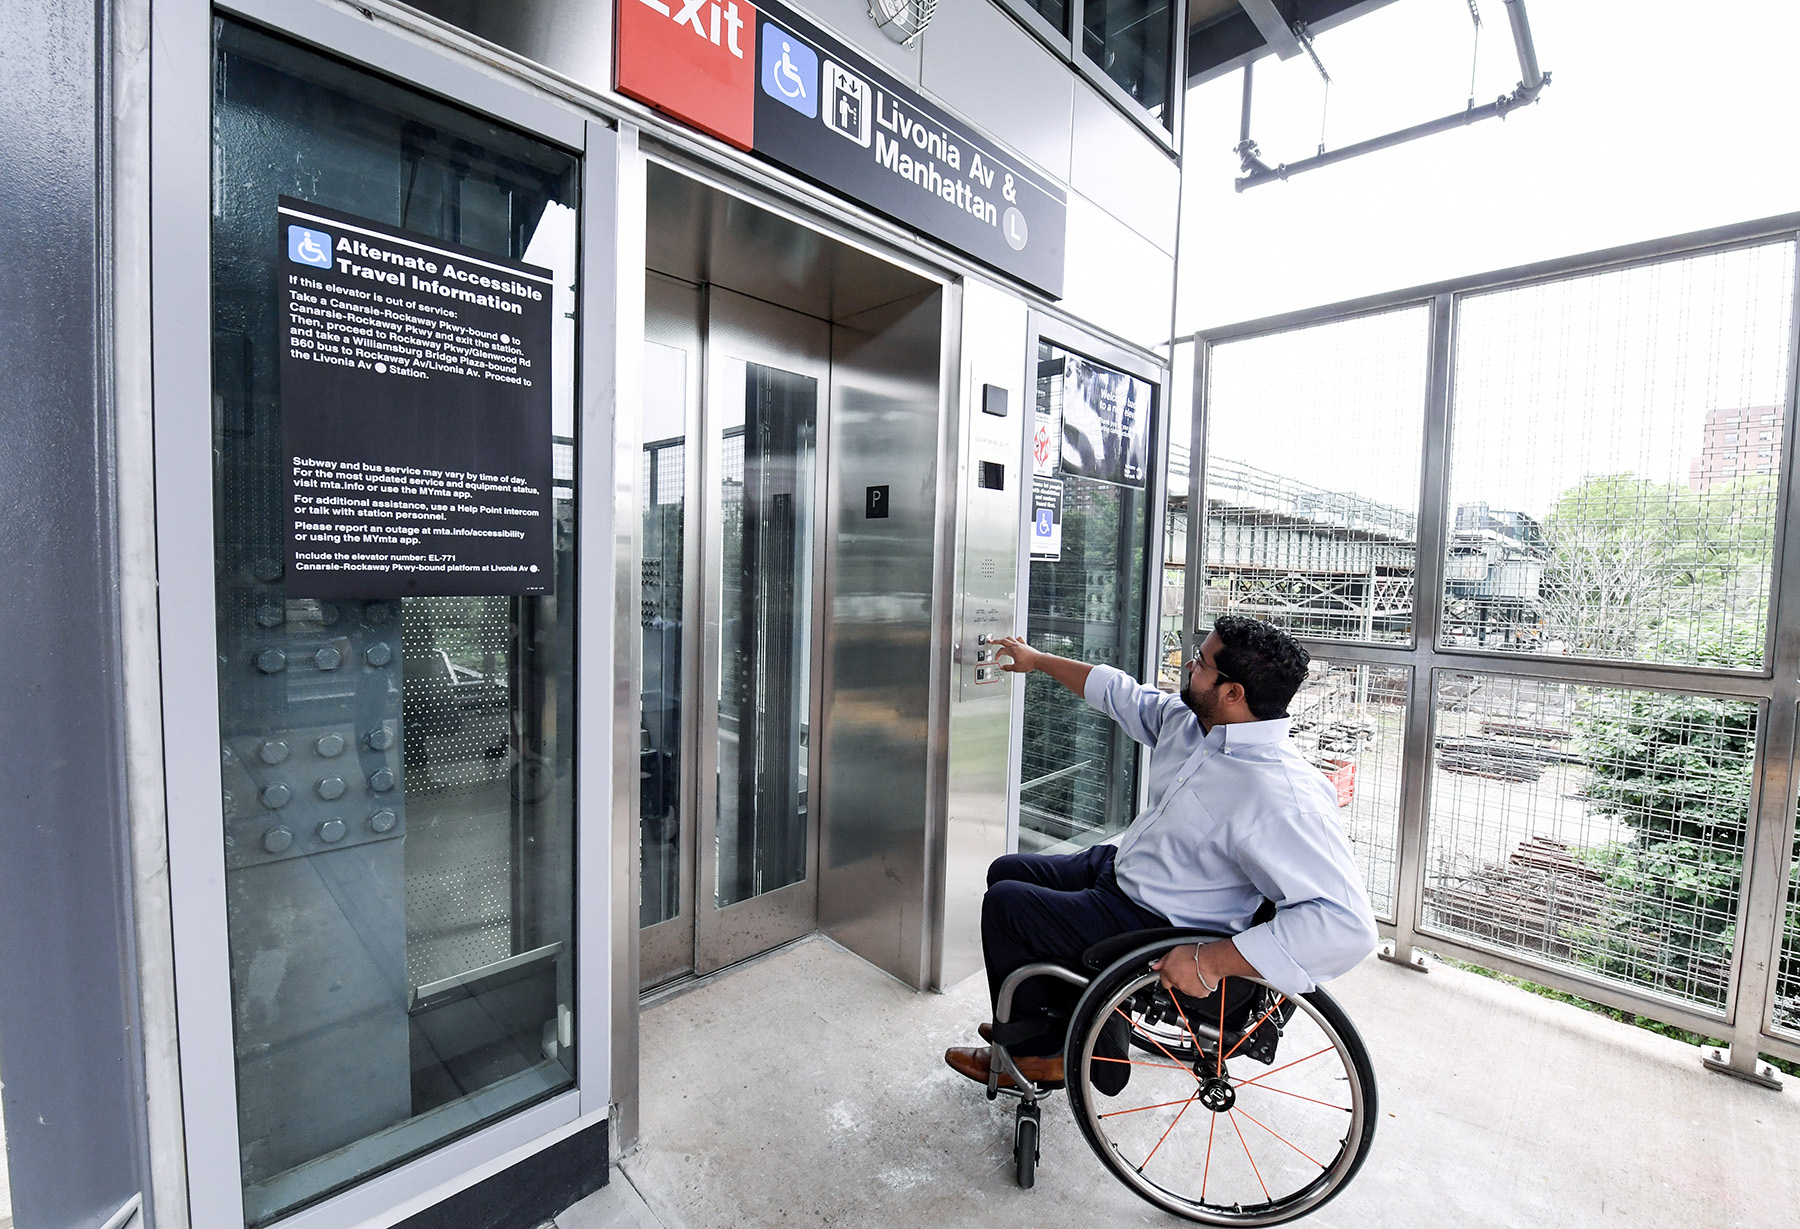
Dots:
{"x": 1105, "y": 423}
{"x": 415, "y": 413}
{"x": 829, "y": 114}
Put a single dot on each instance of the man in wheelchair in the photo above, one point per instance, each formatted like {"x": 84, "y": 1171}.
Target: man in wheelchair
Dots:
{"x": 1240, "y": 837}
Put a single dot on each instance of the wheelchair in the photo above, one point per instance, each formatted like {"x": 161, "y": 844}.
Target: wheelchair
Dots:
{"x": 1249, "y": 1107}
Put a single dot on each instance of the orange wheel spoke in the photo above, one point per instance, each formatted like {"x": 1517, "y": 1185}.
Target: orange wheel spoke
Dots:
{"x": 1247, "y": 1156}
{"x": 1207, "y": 1171}
{"x": 1288, "y": 1142}
{"x": 1192, "y": 1035}
{"x": 1284, "y": 1092}
{"x": 1136, "y": 1062}
{"x": 1265, "y": 1075}
{"x": 1241, "y": 1040}
{"x": 1140, "y": 1109}
{"x": 1153, "y": 1041}
{"x": 1220, "y": 1071}
{"x": 1166, "y": 1130}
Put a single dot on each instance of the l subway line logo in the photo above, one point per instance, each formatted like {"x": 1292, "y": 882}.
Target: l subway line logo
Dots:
{"x": 692, "y": 59}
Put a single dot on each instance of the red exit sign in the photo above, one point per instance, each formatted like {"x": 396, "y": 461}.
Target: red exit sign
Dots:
{"x": 694, "y": 59}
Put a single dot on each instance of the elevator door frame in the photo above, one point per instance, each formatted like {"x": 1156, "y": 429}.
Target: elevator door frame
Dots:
{"x": 715, "y": 326}
{"x": 1043, "y": 326}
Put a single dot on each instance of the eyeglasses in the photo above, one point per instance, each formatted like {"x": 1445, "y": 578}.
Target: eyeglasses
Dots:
{"x": 1197, "y": 660}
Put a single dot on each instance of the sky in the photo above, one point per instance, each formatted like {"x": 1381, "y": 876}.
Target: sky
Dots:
{"x": 1652, "y": 125}
{"x": 1660, "y": 118}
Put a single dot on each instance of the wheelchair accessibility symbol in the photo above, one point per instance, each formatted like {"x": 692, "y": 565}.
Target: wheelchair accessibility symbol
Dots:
{"x": 790, "y": 71}
{"x": 1044, "y": 522}
{"x": 309, "y": 247}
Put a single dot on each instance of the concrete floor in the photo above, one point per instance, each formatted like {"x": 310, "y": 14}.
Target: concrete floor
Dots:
{"x": 808, "y": 1088}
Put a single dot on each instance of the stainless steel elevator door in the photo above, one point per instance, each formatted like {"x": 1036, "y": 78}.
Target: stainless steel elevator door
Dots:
{"x": 729, "y": 833}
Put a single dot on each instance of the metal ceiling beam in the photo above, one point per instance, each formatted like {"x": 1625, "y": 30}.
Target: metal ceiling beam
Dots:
{"x": 1273, "y": 27}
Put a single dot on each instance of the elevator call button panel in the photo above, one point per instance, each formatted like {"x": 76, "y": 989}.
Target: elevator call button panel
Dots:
{"x": 990, "y": 551}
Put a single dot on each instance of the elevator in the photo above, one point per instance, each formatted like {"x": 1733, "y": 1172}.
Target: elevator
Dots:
{"x": 841, "y": 461}
{"x": 791, "y": 438}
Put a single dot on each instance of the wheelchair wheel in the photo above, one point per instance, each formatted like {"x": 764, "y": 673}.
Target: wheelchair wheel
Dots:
{"x": 1025, "y": 1147}
{"x": 1221, "y": 1139}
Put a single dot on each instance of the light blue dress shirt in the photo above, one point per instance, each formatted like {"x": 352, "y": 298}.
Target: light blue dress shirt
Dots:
{"x": 1235, "y": 815}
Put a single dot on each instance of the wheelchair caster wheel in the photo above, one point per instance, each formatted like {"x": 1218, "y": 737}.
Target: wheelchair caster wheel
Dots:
{"x": 1025, "y": 1145}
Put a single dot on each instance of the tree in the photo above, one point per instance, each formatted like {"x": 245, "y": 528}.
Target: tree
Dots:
{"x": 1676, "y": 769}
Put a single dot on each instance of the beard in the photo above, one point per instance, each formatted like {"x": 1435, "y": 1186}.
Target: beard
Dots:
{"x": 1203, "y": 704}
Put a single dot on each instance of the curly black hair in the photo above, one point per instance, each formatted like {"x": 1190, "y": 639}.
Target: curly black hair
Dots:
{"x": 1268, "y": 663}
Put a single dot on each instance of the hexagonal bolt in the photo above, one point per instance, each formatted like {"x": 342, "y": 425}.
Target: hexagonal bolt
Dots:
{"x": 377, "y": 613}
{"x": 331, "y": 788}
{"x": 271, "y": 661}
{"x": 330, "y": 745}
{"x": 275, "y": 795}
{"x": 381, "y": 780}
{"x": 328, "y": 658}
{"x": 276, "y": 840}
{"x": 381, "y": 738}
{"x": 379, "y": 655}
{"x": 328, "y": 614}
{"x": 272, "y": 752}
{"x": 332, "y": 830}
{"x": 270, "y": 616}
{"x": 266, "y": 569}
{"x": 383, "y": 821}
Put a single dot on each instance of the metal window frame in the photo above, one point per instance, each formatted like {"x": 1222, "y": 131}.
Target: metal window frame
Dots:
{"x": 1746, "y": 1020}
{"x": 1068, "y": 48}
{"x": 181, "y": 169}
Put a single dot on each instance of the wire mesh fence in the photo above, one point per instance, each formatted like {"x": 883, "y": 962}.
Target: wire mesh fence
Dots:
{"x": 1312, "y": 476}
{"x": 1350, "y": 721}
{"x": 1615, "y": 455}
{"x": 1612, "y": 489}
{"x": 1597, "y": 828}
{"x": 1786, "y": 1011}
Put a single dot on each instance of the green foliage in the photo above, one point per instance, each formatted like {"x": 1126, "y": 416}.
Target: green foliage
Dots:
{"x": 1675, "y": 768}
{"x": 1628, "y": 556}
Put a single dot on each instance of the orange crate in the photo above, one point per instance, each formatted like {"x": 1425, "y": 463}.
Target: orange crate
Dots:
{"x": 1342, "y": 774}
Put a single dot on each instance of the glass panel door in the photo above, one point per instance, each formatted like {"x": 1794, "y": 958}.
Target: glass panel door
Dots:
{"x": 768, "y": 376}
{"x": 1078, "y": 774}
{"x": 398, "y": 808}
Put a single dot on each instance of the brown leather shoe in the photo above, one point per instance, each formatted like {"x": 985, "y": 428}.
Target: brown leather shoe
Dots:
{"x": 986, "y": 1030}
{"x": 973, "y": 1061}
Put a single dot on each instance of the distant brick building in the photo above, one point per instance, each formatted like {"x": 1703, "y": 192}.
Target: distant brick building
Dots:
{"x": 1737, "y": 443}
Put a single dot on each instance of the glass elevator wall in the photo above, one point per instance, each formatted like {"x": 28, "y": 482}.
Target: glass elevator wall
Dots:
{"x": 1078, "y": 776}
{"x": 399, "y": 794}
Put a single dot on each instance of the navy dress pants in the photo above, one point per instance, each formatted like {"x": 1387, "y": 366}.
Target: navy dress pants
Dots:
{"x": 1051, "y": 907}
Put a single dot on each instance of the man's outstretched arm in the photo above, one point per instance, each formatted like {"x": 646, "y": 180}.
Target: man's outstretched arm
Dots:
{"x": 1024, "y": 659}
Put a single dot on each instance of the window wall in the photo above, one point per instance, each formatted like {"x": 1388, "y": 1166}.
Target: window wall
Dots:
{"x": 1533, "y": 530}
{"x": 1131, "y": 50}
